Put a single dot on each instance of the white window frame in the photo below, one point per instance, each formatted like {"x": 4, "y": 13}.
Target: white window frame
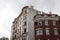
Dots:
{"x": 39, "y": 31}
{"x": 47, "y": 31}
{"x": 46, "y": 22}
{"x": 54, "y": 23}
{"x": 56, "y": 31}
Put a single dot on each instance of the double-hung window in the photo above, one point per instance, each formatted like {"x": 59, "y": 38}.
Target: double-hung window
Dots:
{"x": 54, "y": 23}
{"x": 55, "y": 31}
{"x": 46, "y": 22}
{"x": 39, "y": 31}
{"x": 47, "y": 31}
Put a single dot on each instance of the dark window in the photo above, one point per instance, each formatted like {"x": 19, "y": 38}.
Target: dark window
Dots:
{"x": 35, "y": 23}
{"x": 15, "y": 36}
{"x": 24, "y": 23}
{"x": 40, "y": 23}
{"x": 25, "y": 11}
{"x": 35, "y": 31}
{"x": 24, "y": 39}
{"x": 25, "y": 30}
{"x": 20, "y": 28}
{"x": 13, "y": 33}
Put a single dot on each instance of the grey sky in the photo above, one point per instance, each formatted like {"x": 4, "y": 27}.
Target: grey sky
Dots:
{"x": 10, "y": 9}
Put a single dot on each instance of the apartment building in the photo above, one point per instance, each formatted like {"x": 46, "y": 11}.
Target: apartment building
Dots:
{"x": 32, "y": 24}
{"x": 23, "y": 25}
{"x": 47, "y": 26}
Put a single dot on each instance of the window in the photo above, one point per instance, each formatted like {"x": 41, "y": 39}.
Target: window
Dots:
{"x": 54, "y": 23}
{"x": 39, "y": 31}
{"x": 24, "y": 17}
{"x": 40, "y": 23}
{"x": 25, "y": 30}
{"x": 21, "y": 18}
{"x": 20, "y": 28}
{"x": 24, "y": 39}
{"x": 25, "y": 11}
{"x": 55, "y": 31}
{"x": 35, "y": 23}
{"x": 47, "y": 31}
{"x": 46, "y": 22}
{"x": 25, "y": 23}
{"x": 13, "y": 33}
{"x": 15, "y": 36}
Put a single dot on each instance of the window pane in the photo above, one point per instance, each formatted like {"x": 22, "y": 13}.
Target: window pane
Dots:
{"x": 37, "y": 32}
{"x": 24, "y": 39}
{"x": 40, "y": 32}
{"x": 47, "y": 31}
{"x": 55, "y": 31}
{"x": 25, "y": 30}
{"x": 54, "y": 23}
{"x": 46, "y": 22}
{"x": 40, "y": 23}
{"x": 35, "y": 23}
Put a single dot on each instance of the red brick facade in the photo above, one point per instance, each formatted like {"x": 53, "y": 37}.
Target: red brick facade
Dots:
{"x": 51, "y": 27}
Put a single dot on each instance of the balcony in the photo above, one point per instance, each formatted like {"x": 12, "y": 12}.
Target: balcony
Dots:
{"x": 24, "y": 34}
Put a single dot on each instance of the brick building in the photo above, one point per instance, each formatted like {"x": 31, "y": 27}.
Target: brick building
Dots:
{"x": 47, "y": 26}
{"x": 32, "y": 24}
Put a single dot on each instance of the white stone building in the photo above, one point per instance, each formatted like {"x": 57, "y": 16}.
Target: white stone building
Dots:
{"x": 23, "y": 25}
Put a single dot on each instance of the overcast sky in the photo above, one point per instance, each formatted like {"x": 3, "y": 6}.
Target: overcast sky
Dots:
{"x": 10, "y": 9}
